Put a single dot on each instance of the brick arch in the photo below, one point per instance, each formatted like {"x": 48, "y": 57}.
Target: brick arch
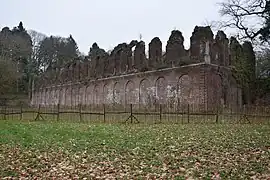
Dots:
{"x": 45, "y": 96}
{"x": 47, "y": 99}
{"x": 72, "y": 96}
{"x": 53, "y": 96}
{"x": 39, "y": 93}
{"x": 44, "y": 93}
{"x": 68, "y": 97}
{"x": 130, "y": 93}
{"x": 76, "y": 95}
{"x": 116, "y": 93}
{"x": 42, "y": 96}
{"x": 161, "y": 90}
{"x": 57, "y": 96}
{"x": 62, "y": 96}
{"x": 38, "y": 100}
{"x": 215, "y": 92}
{"x": 145, "y": 92}
{"x": 106, "y": 94}
{"x": 34, "y": 97}
{"x": 96, "y": 94}
{"x": 82, "y": 95}
{"x": 88, "y": 95}
{"x": 184, "y": 88}
{"x": 39, "y": 97}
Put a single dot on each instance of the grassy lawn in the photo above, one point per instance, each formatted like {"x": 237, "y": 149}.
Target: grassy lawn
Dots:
{"x": 173, "y": 151}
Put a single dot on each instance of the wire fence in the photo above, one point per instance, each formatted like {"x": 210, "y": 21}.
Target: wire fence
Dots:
{"x": 137, "y": 114}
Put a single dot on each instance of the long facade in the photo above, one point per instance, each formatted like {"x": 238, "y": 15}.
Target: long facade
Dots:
{"x": 200, "y": 77}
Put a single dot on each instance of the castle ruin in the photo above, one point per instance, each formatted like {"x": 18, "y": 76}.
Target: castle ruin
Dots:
{"x": 201, "y": 76}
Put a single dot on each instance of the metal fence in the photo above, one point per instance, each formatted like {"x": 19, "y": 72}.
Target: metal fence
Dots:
{"x": 138, "y": 114}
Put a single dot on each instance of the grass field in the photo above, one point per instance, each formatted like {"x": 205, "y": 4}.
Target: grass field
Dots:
{"x": 167, "y": 151}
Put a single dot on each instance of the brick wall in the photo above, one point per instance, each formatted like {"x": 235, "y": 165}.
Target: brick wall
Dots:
{"x": 198, "y": 85}
{"x": 199, "y": 77}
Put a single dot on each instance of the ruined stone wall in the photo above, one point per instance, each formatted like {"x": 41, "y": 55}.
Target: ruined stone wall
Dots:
{"x": 154, "y": 87}
{"x": 222, "y": 88}
{"x": 197, "y": 85}
{"x": 200, "y": 76}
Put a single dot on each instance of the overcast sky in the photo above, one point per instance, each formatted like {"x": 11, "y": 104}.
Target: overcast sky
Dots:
{"x": 109, "y": 22}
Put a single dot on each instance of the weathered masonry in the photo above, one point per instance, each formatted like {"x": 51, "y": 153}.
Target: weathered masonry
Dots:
{"x": 200, "y": 76}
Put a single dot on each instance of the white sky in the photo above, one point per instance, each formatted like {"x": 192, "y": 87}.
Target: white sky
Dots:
{"x": 109, "y": 22}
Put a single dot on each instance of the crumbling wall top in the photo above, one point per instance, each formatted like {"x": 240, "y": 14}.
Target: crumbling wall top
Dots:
{"x": 202, "y": 32}
{"x": 130, "y": 57}
{"x": 177, "y": 36}
{"x": 221, "y": 36}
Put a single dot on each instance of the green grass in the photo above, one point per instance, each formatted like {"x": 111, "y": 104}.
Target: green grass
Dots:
{"x": 173, "y": 151}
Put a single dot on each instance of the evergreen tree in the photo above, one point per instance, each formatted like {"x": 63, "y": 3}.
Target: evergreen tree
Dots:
{"x": 55, "y": 52}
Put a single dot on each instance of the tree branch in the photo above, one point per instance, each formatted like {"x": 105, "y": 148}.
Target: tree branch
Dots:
{"x": 243, "y": 13}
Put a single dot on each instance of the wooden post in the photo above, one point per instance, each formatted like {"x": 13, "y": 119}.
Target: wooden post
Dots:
{"x": 131, "y": 113}
{"x": 160, "y": 113}
{"x": 37, "y": 117}
{"x": 245, "y": 115}
{"x": 38, "y": 114}
{"x": 217, "y": 113}
{"x": 256, "y": 113}
{"x": 39, "y": 110}
{"x": 266, "y": 115}
{"x": 231, "y": 111}
{"x": 11, "y": 113}
{"x": 104, "y": 113}
{"x": 183, "y": 113}
{"x": 131, "y": 116}
{"x": 80, "y": 111}
{"x": 188, "y": 113}
{"x": 237, "y": 114}
{"x": 21, "y": 113}
{"x": 58, "y": 112}
{"x": 5, "y": 113}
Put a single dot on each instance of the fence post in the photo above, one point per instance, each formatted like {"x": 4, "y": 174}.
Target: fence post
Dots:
{"x": 80, "y": 111}
{"x": 217, "y": 113}
{"x": 21, "y": 112}
{"x": 160, "y": 113}
{"x": 256, "y": 113}
{"x": 39, "y": 109}
{"x": 131, "y": 113}
{"x": 58, "y": 111}
{"x": 38, "y": 113}
{"x": 231, "y": 111}
{"x": 104, "y": 113}
{"x": 188, "y": 113}
{"x": 5, "y": 113}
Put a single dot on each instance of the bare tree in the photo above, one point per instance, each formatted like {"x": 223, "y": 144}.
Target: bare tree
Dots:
{"x": 251, "y": 18}
{"x": 214, "y": 25}
{"x": 35, "y": 64}
{"x": 36, "y": 37}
